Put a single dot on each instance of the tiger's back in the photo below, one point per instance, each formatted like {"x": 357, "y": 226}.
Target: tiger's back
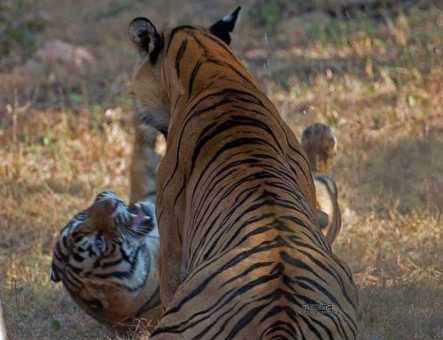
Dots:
{"x": 240, "y": 254}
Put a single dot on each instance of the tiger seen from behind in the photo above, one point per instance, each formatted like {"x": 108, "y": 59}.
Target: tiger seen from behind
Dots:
{"x": 241, "y": 254}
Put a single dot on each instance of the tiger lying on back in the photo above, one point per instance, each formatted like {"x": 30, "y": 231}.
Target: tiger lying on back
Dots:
{"x": 106, "y": 257}
{"x": 241, "y": 255}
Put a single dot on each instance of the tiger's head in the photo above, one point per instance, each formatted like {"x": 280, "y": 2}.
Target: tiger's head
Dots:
{"x": 106, "y": 258}
{"x": 150, "y": 86}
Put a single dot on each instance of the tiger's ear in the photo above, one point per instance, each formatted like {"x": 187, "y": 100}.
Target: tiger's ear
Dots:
{"x": 225, "y": 26}
{"x": 145, "y": 37}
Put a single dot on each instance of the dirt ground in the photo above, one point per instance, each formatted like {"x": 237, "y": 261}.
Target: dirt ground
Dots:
{"x": 65, "y": 135}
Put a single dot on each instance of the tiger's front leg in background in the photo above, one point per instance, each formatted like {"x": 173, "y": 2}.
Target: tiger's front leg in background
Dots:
{"x": 144, "y": 185}
{"x": 144, "y": 163}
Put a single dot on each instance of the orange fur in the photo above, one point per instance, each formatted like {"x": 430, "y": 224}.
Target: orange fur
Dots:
{"x": 235, "y": 202}
{"x": 106, "y": 257}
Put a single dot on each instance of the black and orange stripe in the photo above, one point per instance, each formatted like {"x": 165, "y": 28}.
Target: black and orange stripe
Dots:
{"x": 113, "y": 278}
{"x": 235, "y": 207}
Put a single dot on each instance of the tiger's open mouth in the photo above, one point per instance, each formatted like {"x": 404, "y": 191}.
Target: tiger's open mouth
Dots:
{"x": 133, "y": 223}
{"x": 142, "y": 218}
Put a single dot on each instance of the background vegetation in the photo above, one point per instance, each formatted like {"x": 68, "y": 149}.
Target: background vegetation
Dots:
{"x": 374, "y": 74}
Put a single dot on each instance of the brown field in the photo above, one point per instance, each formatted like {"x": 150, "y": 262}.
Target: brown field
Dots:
{"x": 65, "y": 135}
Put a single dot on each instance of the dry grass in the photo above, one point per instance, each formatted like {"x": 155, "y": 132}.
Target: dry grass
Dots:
{"x": 379, "y": 85}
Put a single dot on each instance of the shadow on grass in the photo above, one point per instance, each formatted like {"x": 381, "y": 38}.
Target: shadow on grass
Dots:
{"x": 35, "y": 310}
{"x": 405, "y": 174}
{"x": 409, "y": 311}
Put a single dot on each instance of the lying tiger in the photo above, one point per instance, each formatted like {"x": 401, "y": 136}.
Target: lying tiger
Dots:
{"x": 241, "y": 254}
{"x": 106, "y": 257}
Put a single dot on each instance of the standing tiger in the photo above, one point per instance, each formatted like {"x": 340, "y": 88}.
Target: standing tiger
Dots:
{"x": 241, "y": 255}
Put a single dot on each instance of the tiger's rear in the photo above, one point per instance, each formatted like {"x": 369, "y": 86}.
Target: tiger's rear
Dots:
{"x": 241, "y": 256}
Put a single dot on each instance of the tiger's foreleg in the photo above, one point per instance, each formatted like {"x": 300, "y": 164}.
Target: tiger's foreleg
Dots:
{"x": 144, "y": 162}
